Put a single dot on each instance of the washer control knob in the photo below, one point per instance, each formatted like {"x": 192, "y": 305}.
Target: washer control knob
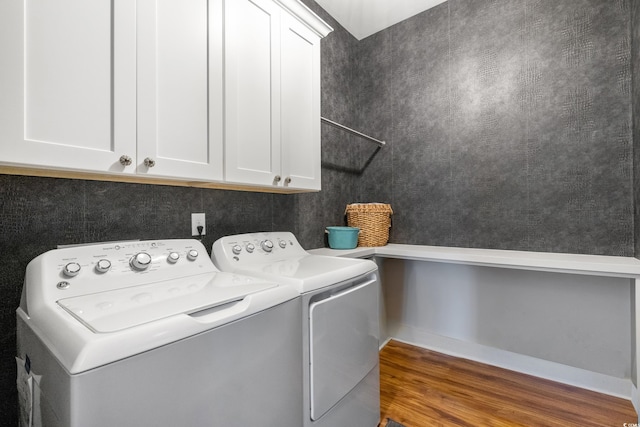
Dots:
{"x": 71, "y": 269}
{"x": 192, "y": 255}
{"x": 103, "y": 265}
{"x": 173, "y": 257}
{"x": 236, "y": 249}
{"x": 250, "y": 247}
{"x": 140, "y": 261}
{"x": 282, "y": 244}
{"x": 266, "y": 245}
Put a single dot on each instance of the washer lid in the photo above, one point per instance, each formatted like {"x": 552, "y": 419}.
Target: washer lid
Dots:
{"x": 120, "y": 309}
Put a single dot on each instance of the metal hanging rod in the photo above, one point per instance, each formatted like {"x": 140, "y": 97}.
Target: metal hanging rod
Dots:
{"x": 353, "y": 132}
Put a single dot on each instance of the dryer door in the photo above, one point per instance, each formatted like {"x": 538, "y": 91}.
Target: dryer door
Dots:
{"x": 344, "y": 332}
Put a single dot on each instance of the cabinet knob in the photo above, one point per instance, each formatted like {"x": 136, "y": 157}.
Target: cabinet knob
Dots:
{"x": 287, "y": 180}
{"x": 149, "y": 162}
{"x": 125, "y": 160}
{"x": 276, "y": 179}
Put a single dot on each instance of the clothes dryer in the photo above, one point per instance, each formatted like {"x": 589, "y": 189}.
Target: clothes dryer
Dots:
{"x": 340, "y": 322}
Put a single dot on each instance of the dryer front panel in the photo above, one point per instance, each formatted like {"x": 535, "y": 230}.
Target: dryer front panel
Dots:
{"x": 344, "y": 333}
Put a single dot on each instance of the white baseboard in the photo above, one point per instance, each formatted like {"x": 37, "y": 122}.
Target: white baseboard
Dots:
{"x": 601, "y": 383}
{"x": 385, "y": 342}
{"x": 635, "y": 399}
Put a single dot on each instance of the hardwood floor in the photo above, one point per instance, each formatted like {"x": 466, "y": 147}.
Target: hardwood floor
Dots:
{"x": 422, "y": 388}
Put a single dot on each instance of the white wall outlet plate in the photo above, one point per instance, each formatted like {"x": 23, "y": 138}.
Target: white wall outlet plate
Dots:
{"x": 198, "y": 219}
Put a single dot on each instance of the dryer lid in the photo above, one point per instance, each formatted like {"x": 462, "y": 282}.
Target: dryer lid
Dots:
{"x": 120, "y": 309}
{"x": 311, "y": 272}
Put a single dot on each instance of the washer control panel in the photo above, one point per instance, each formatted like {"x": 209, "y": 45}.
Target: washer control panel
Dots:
{"x": 232, "y": 252}
{"x": 80, "y": 270}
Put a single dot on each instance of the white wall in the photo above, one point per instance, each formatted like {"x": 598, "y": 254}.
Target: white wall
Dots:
{"x": 578, "y": 321}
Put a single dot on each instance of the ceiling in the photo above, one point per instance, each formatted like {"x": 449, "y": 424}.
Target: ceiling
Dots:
{"x": 365, "y": 17}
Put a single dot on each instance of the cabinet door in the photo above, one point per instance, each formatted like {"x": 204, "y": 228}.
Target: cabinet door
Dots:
{"x": 252, "y": 113}
{"x": 68, "y": 84}
{"x": 300, "y": 105}
{"x": 180, "y": 88}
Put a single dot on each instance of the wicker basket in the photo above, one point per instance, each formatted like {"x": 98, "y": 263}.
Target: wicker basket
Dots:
{"x": 373, "y": 220}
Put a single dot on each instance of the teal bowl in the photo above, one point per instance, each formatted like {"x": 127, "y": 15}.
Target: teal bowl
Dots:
{"x": 343, "y": 237}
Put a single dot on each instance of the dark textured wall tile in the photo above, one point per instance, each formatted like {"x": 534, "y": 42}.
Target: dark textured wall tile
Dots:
{"x": 374, "y": 104}
{"x": 33, "y": 209}
{"x": 579, "y": 129}
{"x": 285, "y": 208}
{"x": 343, "y": 155}
{"x": 635, "y": 67}
{"x": 135, "y": 211}
{"x": 510, "y": 124}
{"x": 488, "y": 167}
{"x": 8, "y": 408}
{"x": 235, "y": 212}
{"x": 421, "y": 128}
{"x": 310, "y": 220}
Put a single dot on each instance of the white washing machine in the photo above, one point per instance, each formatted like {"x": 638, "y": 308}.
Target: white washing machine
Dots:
{"x": 150, "y": 333}
{"x": 340, "y": 319}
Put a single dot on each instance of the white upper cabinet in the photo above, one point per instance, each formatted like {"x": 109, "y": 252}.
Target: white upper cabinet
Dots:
{"x": 118, "y": 86}
{"x": 252, "y": 91}
{"x": 206, "y": 91}
{"x": 300, "y": 105}
{"x": 68, "y": 84}
{"x": 272, "y": 94}
{"x": 180, "y": 89}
